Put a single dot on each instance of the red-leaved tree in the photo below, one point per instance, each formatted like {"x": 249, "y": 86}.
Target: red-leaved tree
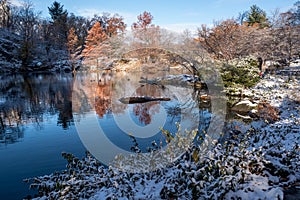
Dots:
{"x": 145, "y": 33}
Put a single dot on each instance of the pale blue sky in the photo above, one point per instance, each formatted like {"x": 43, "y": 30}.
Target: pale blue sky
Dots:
{"x": 175, "y": 15}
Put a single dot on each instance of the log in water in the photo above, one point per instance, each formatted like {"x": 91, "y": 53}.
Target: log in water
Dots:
{"x": 144, "y": 99}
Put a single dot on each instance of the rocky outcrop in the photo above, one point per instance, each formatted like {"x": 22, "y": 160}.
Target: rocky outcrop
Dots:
{"x": 246, "y": 109}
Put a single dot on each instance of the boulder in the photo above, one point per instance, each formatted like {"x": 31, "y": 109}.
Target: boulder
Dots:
{"x": 244, "y": 106}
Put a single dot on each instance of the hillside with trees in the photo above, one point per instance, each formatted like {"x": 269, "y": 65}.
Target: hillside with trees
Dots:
{"x": 65, "y": 41}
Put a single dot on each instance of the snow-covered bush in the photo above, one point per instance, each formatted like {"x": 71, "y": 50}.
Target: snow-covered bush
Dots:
{"x": 242, "y": 73}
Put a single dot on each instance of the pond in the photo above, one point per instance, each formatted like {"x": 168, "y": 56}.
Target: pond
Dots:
{"x": 43, "y": 115}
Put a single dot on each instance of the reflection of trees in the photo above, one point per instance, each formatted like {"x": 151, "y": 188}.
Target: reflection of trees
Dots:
{"x": 29, "y": 98}
{"x": 49, "y": 94}
{"x": 65, "y": 117}
{"x": 103, "y": 97}
{"x": 109, "y": 88}
{"x": 11, "y": 135}
{"x": 173, "y": 112}
{"x": 102, "y": 91}
{"x": 144, "y": 111}
{"x": 94, "y": 91}
{"x": 61, "y": 95}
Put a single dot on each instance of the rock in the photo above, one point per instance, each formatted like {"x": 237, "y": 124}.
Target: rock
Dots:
{"x": 244, "y": 116}
{"x": 131, "y": 100}
{"x": 39, "y": 64}
{"x": 253, "y": 114}
{"x": 204, "y": 97}
{"x": 244, "y": 106}
{"x": 268, "y": 112}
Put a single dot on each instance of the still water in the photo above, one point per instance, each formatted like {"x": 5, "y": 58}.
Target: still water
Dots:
{"x": 39, "y": 114}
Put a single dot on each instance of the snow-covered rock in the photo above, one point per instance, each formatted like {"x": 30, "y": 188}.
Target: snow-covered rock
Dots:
{"x": 178, "y": 80}
{"x": 244, "y": 106}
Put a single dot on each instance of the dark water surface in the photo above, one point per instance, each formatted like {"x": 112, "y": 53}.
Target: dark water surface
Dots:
{"x": 36, "y": 126}
{"x": 38, "y": 113}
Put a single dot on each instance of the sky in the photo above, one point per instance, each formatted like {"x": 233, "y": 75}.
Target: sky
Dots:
{"x": 175, "y": 15}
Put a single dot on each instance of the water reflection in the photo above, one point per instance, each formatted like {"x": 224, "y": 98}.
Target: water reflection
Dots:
{"x": 37, "y": 97}
{"x": 11, "y": 135}
{"x": 132, "y": 127}
{"x": 101, "y": 91}
{"x": 103, "y": 98}
{"x": 146, "y": 110}
{"x": 33, "y": 99}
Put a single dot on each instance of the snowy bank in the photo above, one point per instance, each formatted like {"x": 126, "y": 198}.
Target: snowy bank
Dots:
{"x": 259, "y": 160}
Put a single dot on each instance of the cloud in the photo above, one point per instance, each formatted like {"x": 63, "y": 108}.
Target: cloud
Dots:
{"x": 88, "y": 12}
{"x": 180, "y": 27}
{"x": 129, "y": 18}
{"x": 92, "y": 12}
{"x": 16, "y": 2}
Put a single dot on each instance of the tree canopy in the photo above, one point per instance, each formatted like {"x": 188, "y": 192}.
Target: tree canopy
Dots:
{"x": 257, "y": 16}
{"x": 57, "y": 11}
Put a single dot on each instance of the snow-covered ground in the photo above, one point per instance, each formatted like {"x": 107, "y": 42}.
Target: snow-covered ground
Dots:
{"x": 257, "y": 160}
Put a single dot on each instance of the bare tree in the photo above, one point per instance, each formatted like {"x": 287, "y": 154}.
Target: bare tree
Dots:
{"x": 284, "y": 36}
{"x": 5, "y": 14}
{"x": 226, "y": 40}
{"x": 167, "y": 39}
{"x": 288, "y": 33}
{"x": 26, "y": 26}
{"x": 190, "y": 48}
